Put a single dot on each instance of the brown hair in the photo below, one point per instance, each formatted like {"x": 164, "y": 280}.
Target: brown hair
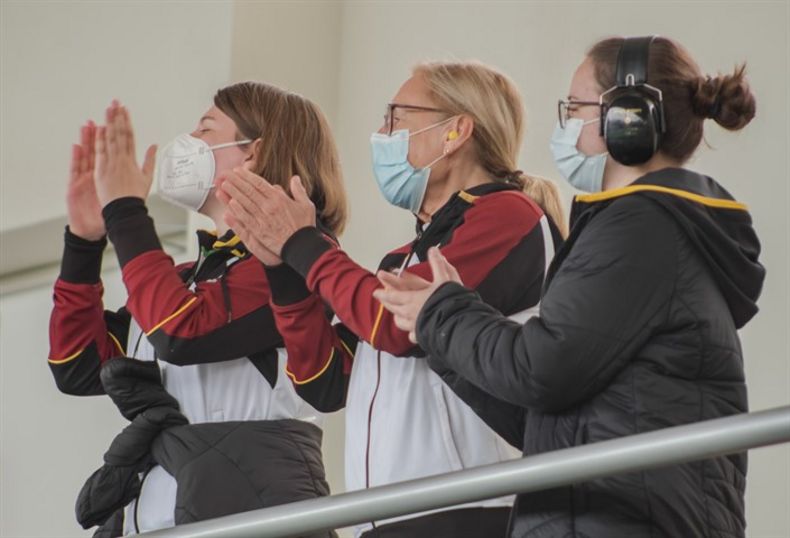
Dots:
{"x": 494, "y": 103}
{"x": 295, "y": 140}
{"x": 689, "y": 96}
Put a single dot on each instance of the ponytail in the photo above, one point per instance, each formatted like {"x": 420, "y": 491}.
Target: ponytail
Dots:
{"x": 544, "y": 192}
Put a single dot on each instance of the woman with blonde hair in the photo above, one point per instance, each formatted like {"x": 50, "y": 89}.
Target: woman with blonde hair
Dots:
{"x": 447, "y": 153}
{"x": 194, "y": 360}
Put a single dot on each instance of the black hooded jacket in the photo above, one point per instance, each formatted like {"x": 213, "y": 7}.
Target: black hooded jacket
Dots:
{"x": 637, "y": 331}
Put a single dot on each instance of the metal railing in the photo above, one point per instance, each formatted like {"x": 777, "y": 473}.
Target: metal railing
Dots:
{"x": 552, "y": 469}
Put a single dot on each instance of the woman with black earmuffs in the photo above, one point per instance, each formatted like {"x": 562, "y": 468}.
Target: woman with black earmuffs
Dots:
{"x": 637, "y": 328}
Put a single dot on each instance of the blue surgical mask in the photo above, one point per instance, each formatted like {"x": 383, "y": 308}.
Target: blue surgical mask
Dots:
{"x": 401, "y": 184}
{"x": 583, "y": 172}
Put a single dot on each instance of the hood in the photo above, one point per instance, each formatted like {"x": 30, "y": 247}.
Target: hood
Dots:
{"x": 719, "y": 227}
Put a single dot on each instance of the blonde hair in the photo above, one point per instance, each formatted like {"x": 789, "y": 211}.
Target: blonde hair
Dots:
{"x": 495, "y": 106}
{"x": 295, "y": 140}
{"x": 547, "y": 196}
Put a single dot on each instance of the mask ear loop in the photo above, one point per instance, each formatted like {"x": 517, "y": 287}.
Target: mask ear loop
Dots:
{"x": 229, "y": 144}
{"x": 418, "y": 131}
{"x": 452, "y": 135}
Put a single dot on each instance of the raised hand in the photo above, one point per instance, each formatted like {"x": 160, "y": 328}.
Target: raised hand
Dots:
{"x": 404, "y": 296}
{"x": 117, "y": 172}
{"x": 82, "y": 204}
{"x": 262, "y": 211}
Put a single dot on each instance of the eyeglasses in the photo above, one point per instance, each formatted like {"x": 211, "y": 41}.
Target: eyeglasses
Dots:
{"x": 390, "y": 118}
{"x": 565, "y": 107}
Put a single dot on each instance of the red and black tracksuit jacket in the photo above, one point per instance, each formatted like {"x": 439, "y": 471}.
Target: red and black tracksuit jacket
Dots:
{"x": 216, "y": 309}
{"x": 490, "y": 233}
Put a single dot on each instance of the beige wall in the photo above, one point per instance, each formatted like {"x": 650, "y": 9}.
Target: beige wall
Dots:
{"x": 350, "y": 57}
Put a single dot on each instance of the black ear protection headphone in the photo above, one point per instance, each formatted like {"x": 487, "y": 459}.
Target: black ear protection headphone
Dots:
{"x": 632, "y": 112}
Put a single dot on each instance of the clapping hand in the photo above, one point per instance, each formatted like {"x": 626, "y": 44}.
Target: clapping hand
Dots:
{"x": 82, "y": 204}
{"x": 405, "y": 295}
{"x": 117, "y": 172}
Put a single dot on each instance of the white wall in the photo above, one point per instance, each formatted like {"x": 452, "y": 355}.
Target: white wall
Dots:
{"x": 62, "y": 63}
{"x": 350, "y": 57}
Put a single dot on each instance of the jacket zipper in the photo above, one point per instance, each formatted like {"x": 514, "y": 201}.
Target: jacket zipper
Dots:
{"x": 370, "y": 418}
{"x": 378, "y": 382}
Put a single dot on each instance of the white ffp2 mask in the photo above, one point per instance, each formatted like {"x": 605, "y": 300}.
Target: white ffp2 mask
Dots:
{"x": 185, "y": 170}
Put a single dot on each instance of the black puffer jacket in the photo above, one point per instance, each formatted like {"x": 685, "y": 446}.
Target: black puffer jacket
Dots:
{"x": 637, "y": 332}
{"x": 221, "y": 468}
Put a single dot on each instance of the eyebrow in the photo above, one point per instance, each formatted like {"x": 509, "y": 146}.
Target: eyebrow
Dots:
{"x": 207, "y": 117}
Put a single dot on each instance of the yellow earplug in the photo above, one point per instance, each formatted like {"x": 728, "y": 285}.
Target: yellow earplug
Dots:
{"x": 452, "y": 135}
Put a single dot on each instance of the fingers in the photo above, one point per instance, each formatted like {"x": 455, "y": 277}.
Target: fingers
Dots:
{"x": 392, "y": 299}
{"x": 118, "y": 126}
{"x": 413, "y": 337}
{"x": 85, "y": 138}
{"x": 437, "y": 266}
{"x": 411, "y": 281}
{"x": 405, "y": 306}
{"x": 101, "y": 149}
{"x": 90, "y": 148}
{"x": 298, "y": 191}
{"x": 242, "y": 193}
{"x": 129, "y": 133}
{"x": 149, "y": 162}
{"x": 85, "y": 162}
{"x": 110, "y": 134}
{"x": 76, "y": 163}
{"x": 234, "y": 224}
{"x": 257, "y": 183}
{"x": 241, "y": 214}
{"x": 220, "y": 193}
{"x": 404, "y": 312}
{"x": 404, "y": 282}
{"x": 442, "y": 270}
{"x": 388, "y": 279}
{"x": 404, "y": 323}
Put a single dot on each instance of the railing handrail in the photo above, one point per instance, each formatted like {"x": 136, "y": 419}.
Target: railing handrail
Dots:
{"x": 660, "y": 448}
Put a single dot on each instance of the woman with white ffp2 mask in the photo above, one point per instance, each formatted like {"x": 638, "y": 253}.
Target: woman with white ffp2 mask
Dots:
{"x": 194, "y": 360}
{"x": 447, "y": 152}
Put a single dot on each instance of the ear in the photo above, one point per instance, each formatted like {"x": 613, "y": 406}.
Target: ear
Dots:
{"x": 252, "y": 157}
{"x": 459, "y": 132}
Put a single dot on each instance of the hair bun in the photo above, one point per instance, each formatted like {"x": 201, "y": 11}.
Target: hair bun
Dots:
{"x": 726, "y": 99}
